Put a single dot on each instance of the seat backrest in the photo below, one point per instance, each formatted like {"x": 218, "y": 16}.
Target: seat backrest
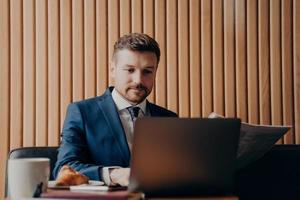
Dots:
{"x": 33, "y": 152}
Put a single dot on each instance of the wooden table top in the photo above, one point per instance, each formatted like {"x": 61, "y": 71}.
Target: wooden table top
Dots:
{"x": 115, "y": 195}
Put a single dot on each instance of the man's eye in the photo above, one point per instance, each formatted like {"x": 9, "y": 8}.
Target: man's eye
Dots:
{"x": 130, "y": 70}
{"x": 148, "y": 72}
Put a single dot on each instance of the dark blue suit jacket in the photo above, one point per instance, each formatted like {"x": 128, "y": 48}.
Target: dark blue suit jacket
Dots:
{"x": 93, "y": 136}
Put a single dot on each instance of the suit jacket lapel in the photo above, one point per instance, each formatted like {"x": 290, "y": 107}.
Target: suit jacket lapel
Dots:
{"x": 152, "y": 110}
{"x": 113, "y": 120}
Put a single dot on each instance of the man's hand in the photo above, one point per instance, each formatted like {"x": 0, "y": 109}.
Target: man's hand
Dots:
{"x": 120, "y": 176}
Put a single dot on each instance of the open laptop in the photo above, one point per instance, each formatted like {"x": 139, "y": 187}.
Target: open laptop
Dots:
{"x": 184, "y": 156}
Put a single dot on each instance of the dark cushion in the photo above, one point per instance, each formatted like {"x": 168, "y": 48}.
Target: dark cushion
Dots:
{"x": 33, "y": 152}
{"x": 275, "y": 176}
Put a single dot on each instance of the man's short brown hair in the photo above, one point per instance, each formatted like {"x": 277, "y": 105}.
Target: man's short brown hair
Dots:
{"x": 137, "y": 42}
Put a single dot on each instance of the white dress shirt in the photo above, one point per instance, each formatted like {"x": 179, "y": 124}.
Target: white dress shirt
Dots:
{"x": 122, "y": 104}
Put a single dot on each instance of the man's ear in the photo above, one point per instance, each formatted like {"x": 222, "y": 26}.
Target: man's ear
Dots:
{"x": 112, "y": 68}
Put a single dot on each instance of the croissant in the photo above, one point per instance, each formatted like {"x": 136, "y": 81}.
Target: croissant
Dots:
{"x": 67, "y": 176}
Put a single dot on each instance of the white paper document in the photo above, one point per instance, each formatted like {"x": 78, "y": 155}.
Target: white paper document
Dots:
{"x": 89, "y": 188}
{"x": 255, "y": 140}
{"x": 96, "y": 188}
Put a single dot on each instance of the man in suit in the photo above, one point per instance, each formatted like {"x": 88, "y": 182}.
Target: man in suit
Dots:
{"x": 97, "y": 134}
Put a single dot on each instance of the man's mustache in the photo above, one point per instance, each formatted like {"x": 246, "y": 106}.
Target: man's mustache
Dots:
{"x": 139, "y": 87}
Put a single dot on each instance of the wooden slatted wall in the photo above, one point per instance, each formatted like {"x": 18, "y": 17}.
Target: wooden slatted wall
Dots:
{"x": 235, "y": 57}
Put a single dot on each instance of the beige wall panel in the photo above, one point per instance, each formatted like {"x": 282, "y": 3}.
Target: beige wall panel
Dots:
{"x": 29, "y": 84}
{"x": 275, "y": 62}
{"x": 41, "y": 74}
{"x": 78, "y": 50}
{"x": 172, "y": 62}
{"x": 218, "y": 59}
{"x": 229, "y": 64}
{"x": 113, "y": 28}
{"x": 296, "y": 50}
{"x": 137, "y": 16}
{"x": 89, "y": 48}
{"x": 125, "y": 17}
{"x": 194, "y": 55}
{"x": 206, "y": 57}
{"x": 183, "y": 58}
{"x": 287, "y": 68}
{"x": 4, "y": 88}
{"x": 252, "y": 61}
{"x": 269, "y": 73}
{"x": 240, "y": 60}
{"x": 263, "y": 62}
{"x": 148, "y": 28}
{"x": 65, "y": 57}
{"x": 102, "y": 50}
{"x": 16, "y": 73}
{"x": 160, "y": 36}
{"x": 53, "y": 73}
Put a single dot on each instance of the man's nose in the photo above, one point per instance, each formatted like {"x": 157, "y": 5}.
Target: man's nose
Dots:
{"x": 137, "y": 77}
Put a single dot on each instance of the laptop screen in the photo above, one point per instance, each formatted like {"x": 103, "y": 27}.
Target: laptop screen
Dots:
{"x": 184, "y": 156}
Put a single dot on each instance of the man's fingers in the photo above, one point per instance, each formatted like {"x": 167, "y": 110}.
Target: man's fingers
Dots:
{"x": 120, "y": 176}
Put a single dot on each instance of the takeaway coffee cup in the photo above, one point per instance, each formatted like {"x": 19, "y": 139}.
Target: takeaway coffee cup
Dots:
{"x": 27, "y": 177}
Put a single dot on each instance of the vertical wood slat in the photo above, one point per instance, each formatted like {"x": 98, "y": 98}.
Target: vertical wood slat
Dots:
{"x": 296, "y": 62}
{"x": 172, "y": 62}
{"x": 137, "y": 16}
{"x": 102, "y": 52}
{"x": 160, "y": 36}
{"x": 53, "y": 73}
{"x": 113, "y": 28}
{"x": 78, "y": 50}
{"x": 217, "y": 63}
{"x": 41, "y": 138}
{"x": 287, "y": 70}
{"x": 195, "y": 63}
{"x": 148, "y": 28}
{"x": 183, "y": 55}
{"x": 29, "y": 84}
{"x": 89, "y": 48}
{"x": 240, "y": 46}
{"x": 4, "y": 87}
{"x": 16, "y": 75}
{"x": 229, "y": 64}
{"x": 275, "y": 64}
{"x": 252, "y": 61}
{"x": 65, "y": 56}
{"x": 264, "y": 64}
{"x": 125, "y": 17}
{"x": 206, "y": 57}
{"x": 148, "y": 17}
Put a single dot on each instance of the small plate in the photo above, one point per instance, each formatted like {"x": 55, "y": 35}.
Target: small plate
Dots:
{"x": 94, "y": 182}
{"x": 51, "y": 184}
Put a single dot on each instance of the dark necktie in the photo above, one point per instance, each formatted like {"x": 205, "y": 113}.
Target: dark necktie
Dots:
{"x": 134, "y": 112}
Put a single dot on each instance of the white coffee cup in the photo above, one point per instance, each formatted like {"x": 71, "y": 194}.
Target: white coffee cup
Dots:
{"x": 25, "y": 175}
